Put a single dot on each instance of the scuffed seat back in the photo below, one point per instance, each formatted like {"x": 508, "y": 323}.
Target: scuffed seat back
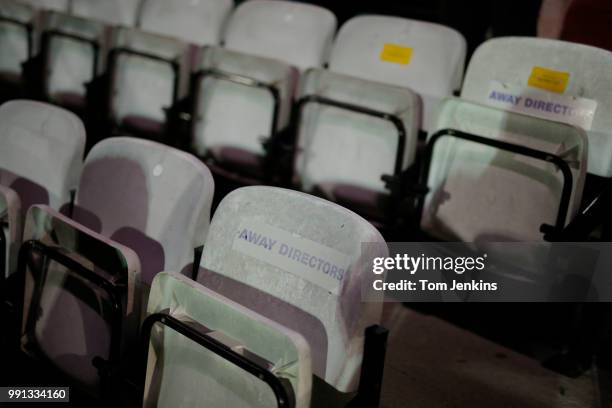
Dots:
{"x": 149, "y": 74}
{"x": 149, "y": 197}
{"x": 41, "y": 154}
{"x": 183, "y": 373}
{"x": 114, "y": 12}
{"x": 296, "y": 33}
{"x": 343, "y": 153}
{"x": 16, "y": 41}
{"x": 73, "y": 56}
{"x": 195, "y": 22}
{"x": 297, "y": 259}
{"x": 480, "y": 193}
{"x": 556, "y": 80}
{"x": 427, "y": 58}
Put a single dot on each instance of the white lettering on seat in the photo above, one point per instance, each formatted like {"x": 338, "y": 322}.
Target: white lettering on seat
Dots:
{"x": 319, "y": 264}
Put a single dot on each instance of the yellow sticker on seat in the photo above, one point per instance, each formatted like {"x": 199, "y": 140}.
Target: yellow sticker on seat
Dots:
{"x": 549, "y": 79}
{"x": 396, "y": 53}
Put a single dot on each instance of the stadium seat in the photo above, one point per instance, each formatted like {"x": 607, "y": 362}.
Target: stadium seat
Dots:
{"x": 427, "y": 58}
{"x": 40, "y": 163}
{"x": 267, "y": 42}
{"x": 296, "y": 33}
{"x": 16, "y": 46}
{"x": 556, "y": 72}
{"x": 206, "y": 350}
{"x": 72, "y": 56}
{"x": 148, "y": 74}
{"x": 195, "y": 22}
{"x": 496, "y": 176}
{"x": 134, "y": 194}
{"x": 114, "y": 12}
{"x": 297, "y": 259}
{"x": 351, "y": 133}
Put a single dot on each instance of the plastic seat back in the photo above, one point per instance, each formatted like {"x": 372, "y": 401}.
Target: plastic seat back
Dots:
{"x": 199, "y": 22}
{"x": 296, "y": 33}
{"x": 297, "y": 259}
{"x": 16, "y": 39}
{"x": 425, "y": 57}
{"x": 115, "y": 12}
{"x": 150, "y": 197}
{"x": 554, "y": 80}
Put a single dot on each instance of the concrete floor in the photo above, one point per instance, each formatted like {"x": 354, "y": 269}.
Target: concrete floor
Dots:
{"x": 431, "y": 363}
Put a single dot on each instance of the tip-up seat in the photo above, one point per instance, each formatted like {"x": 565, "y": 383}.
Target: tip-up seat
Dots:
{"x": 206, "y": 350}
{"x": 115, "y": 12}
{"x": 427, "y": 58}
{"x": 297, "y": 259}
{"x": 556, "y": 80}
{"x": 150, "y": 198}
{"x": 266, "y": 43}
{"x": 241, "y": 102}
{"x": 72, "y": 55}
{"x": 496, "y": 176}
{"x": 195, "y": 22}
{"x": 16, "y": 44}
{"x": 351, "y": 133}
{"x": 148, "y": 75}
{"x": 41, "y": 154}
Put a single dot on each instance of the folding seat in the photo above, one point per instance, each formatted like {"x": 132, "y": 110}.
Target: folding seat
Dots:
{"x": 497, "y": 176}
{"x": 427, "y": 58}
{"x": 41, "y": 153}
{"x": 199, "y": 22}
{"x": 351, "y": 135}
{"x": 266, "y": 43}
{"x": 16, "y": 45}
{"x": 72, "y": 56}
{"x": 206, "y": 350}
{"x": 386, "y": 76}
{"x": 114, "y": 12}
{"x": 558, "y": 75}
{"x": 134, "y": 194}
{"x": 298, "y": 260}
{"x": 148, "y": 74}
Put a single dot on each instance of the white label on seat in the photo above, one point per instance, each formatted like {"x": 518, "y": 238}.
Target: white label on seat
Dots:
{"x": 316, "y": 263}
{"x": 546, "y": 105}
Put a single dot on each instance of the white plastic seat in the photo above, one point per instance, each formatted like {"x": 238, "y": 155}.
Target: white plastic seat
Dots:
{"x": 196, "y": 22}
{"x": 181, "y": 373}
{"x": 133, "y": 194}
{"x": 41, "y": 153}
{"x": 143, "y": 86}
{"x": 575, "y": 73}
{"x": 16, "y": 40}
{"x": 368, "y": 145}
{"x": 57, "y": 5}
{"x": 479, "y": 193}
{"x": 67, "y": 317}
{"x": 297, "y": 259}
{"x": 72, "y": 63}
{"x": 115, "y": 12}
{"x": 296, "y": 33}
{"x": 427, "y": 58}
{"x": 232, "y": 117}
